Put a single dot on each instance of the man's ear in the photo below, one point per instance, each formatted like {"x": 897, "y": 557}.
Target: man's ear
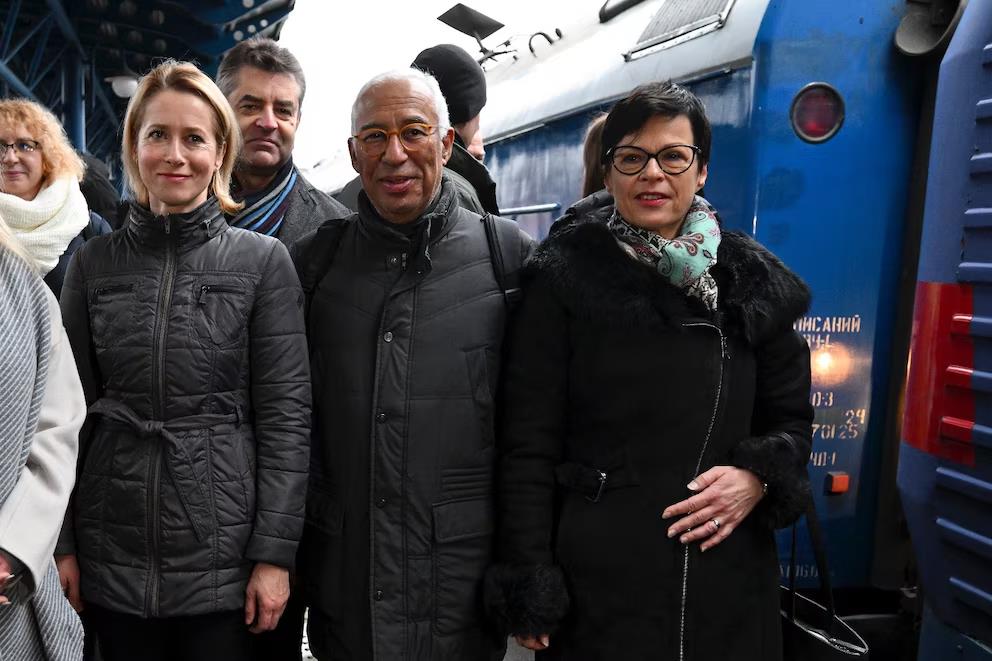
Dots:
{"x": 446, "y": 144}
{"x": 354, "y": 156}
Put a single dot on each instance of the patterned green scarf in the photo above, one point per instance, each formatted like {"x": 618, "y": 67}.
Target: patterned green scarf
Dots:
{"x": 685, "y": 260}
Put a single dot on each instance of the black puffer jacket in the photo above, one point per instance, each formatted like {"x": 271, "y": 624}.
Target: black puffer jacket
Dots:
{"x": 612, "y": 369}
{"x": 190, "y": 343}
{"x": 406, "y": 334}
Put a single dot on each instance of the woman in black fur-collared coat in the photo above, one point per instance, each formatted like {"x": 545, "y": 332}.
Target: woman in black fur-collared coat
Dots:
{"x": 657, "y": 419}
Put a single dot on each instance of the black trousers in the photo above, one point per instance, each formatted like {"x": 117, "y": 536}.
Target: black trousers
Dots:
{"x": 211, "y": 637}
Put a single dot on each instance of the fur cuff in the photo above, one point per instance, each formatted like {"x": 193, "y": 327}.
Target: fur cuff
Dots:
{"x": 775, "y": 459}
{"x": 526, "y": 600}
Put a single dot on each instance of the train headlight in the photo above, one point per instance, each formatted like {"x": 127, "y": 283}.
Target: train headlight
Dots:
{"x": 830, "y": 365}
{"x": 817, "y": 112}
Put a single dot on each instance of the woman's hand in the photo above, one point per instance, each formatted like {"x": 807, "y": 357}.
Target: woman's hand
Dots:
{"x": 69, "y": 577}
{"x": 266, "y": 596}
{"x": 725, "y": 495}
{"x": 536, "y": 643}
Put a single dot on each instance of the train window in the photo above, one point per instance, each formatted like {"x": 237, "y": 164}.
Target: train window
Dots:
{"x": 817, "y": 112}
{"x": 678, "y": 21}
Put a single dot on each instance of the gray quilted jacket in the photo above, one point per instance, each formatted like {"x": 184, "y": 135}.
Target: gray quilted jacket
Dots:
{"x": 190, "y": 344}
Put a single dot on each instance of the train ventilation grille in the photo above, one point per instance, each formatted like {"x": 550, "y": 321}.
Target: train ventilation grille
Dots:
{"x": 965, "y": 488}
{"x": 678, "y": 21}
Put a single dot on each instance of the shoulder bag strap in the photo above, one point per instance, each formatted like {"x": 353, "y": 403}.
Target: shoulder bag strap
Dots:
{"x": 504, "y": 250}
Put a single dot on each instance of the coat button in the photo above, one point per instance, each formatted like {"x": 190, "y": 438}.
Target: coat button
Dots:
{"x": 380, "y": 417}
{"x": 393, "y": 260}
{"x": 381, "y": 502}
{"x": 388, "y": 336}
{"x": 378, "y": 595}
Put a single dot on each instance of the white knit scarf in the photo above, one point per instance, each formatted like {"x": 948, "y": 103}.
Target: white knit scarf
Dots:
{"x": 47, "y": 224}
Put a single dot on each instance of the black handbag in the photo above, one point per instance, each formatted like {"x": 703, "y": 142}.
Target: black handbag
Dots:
{"x": 811, "y": 631}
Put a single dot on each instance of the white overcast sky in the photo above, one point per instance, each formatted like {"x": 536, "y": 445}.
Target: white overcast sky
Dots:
{"x": 344, "y": 43}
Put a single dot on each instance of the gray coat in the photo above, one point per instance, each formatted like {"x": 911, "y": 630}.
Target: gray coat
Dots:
{"x": 40, "y": 418}
{"x": 308, "y": 208}
{"x": 406, "y": 335}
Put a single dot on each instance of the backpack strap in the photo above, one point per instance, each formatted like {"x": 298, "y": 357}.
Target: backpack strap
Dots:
{"x": 503, "y": 237}
{"x": 315, "y": 259}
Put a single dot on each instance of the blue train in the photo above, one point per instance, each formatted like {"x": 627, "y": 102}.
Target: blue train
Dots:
{"x": 827, "y": 120}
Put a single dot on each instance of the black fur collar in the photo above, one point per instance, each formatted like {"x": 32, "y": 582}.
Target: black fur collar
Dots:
{"x": 597, "y": 281}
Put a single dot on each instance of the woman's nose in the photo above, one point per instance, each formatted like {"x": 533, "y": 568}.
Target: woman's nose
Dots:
{"x": 174, "y": 153}
{"x": 653, "y": 169}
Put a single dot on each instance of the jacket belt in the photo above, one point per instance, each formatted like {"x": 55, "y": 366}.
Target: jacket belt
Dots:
{"x": 178, "y": 459}
{"x": 592, "y": 482}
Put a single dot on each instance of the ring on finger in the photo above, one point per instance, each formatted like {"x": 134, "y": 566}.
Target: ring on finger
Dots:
{"x": 716, "y": 523}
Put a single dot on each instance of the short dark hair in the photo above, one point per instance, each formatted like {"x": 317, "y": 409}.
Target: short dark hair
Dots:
{"x": 666, "y": 99}
{"x": 261, "y": 53}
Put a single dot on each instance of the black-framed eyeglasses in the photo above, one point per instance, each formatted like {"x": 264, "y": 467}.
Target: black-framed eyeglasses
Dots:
{"x": 20, "y": 146}
{"x": 673, "y": 159}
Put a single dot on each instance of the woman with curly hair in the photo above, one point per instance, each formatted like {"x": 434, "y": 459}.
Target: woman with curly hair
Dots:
{"x": 39, "y": 189}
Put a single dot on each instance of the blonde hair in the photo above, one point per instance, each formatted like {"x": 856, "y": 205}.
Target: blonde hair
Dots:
{"x": 183, "y": 77}
{"x": 58, "y": 158}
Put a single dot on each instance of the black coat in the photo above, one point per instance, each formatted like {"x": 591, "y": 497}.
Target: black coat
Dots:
{"x": 406, "y": 334}
{"x": 190, "y": 343}
{"x": 612, "y": 369}
{"x": 96, "y": 227}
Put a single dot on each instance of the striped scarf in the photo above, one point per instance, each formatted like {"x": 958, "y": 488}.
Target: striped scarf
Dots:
{"x": 43, "y": 627}
{"x": 264, "y": 211}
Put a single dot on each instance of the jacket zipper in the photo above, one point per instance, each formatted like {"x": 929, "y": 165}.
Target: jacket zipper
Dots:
{"x": 158, "y": 402}
{"x": 724, "y": 355}
{"x": 112, "y": 289}
{"x": 221, "y": 289}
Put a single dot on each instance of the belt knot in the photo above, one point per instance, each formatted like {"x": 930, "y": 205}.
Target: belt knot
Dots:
{"x": 150, "y": 427}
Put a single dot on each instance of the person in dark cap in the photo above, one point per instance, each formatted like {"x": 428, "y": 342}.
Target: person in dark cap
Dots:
{"x": 463, "y": 84}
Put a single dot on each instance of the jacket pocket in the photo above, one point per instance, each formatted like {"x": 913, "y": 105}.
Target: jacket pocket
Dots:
{"x": 463, "y": 537}
{"x": 219, "y": 314}
{"x": 482, "y": 371}
{"x": 112, "y": 314}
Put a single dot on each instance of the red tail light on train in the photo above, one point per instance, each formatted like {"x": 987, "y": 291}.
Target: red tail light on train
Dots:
{"x": 817, "y": 112}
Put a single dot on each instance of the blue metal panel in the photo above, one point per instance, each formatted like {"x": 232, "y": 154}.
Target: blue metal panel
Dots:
{"x": 834, "y": 211}
{"x": 939, "y": 642}
{"x": 947, "y": 498}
